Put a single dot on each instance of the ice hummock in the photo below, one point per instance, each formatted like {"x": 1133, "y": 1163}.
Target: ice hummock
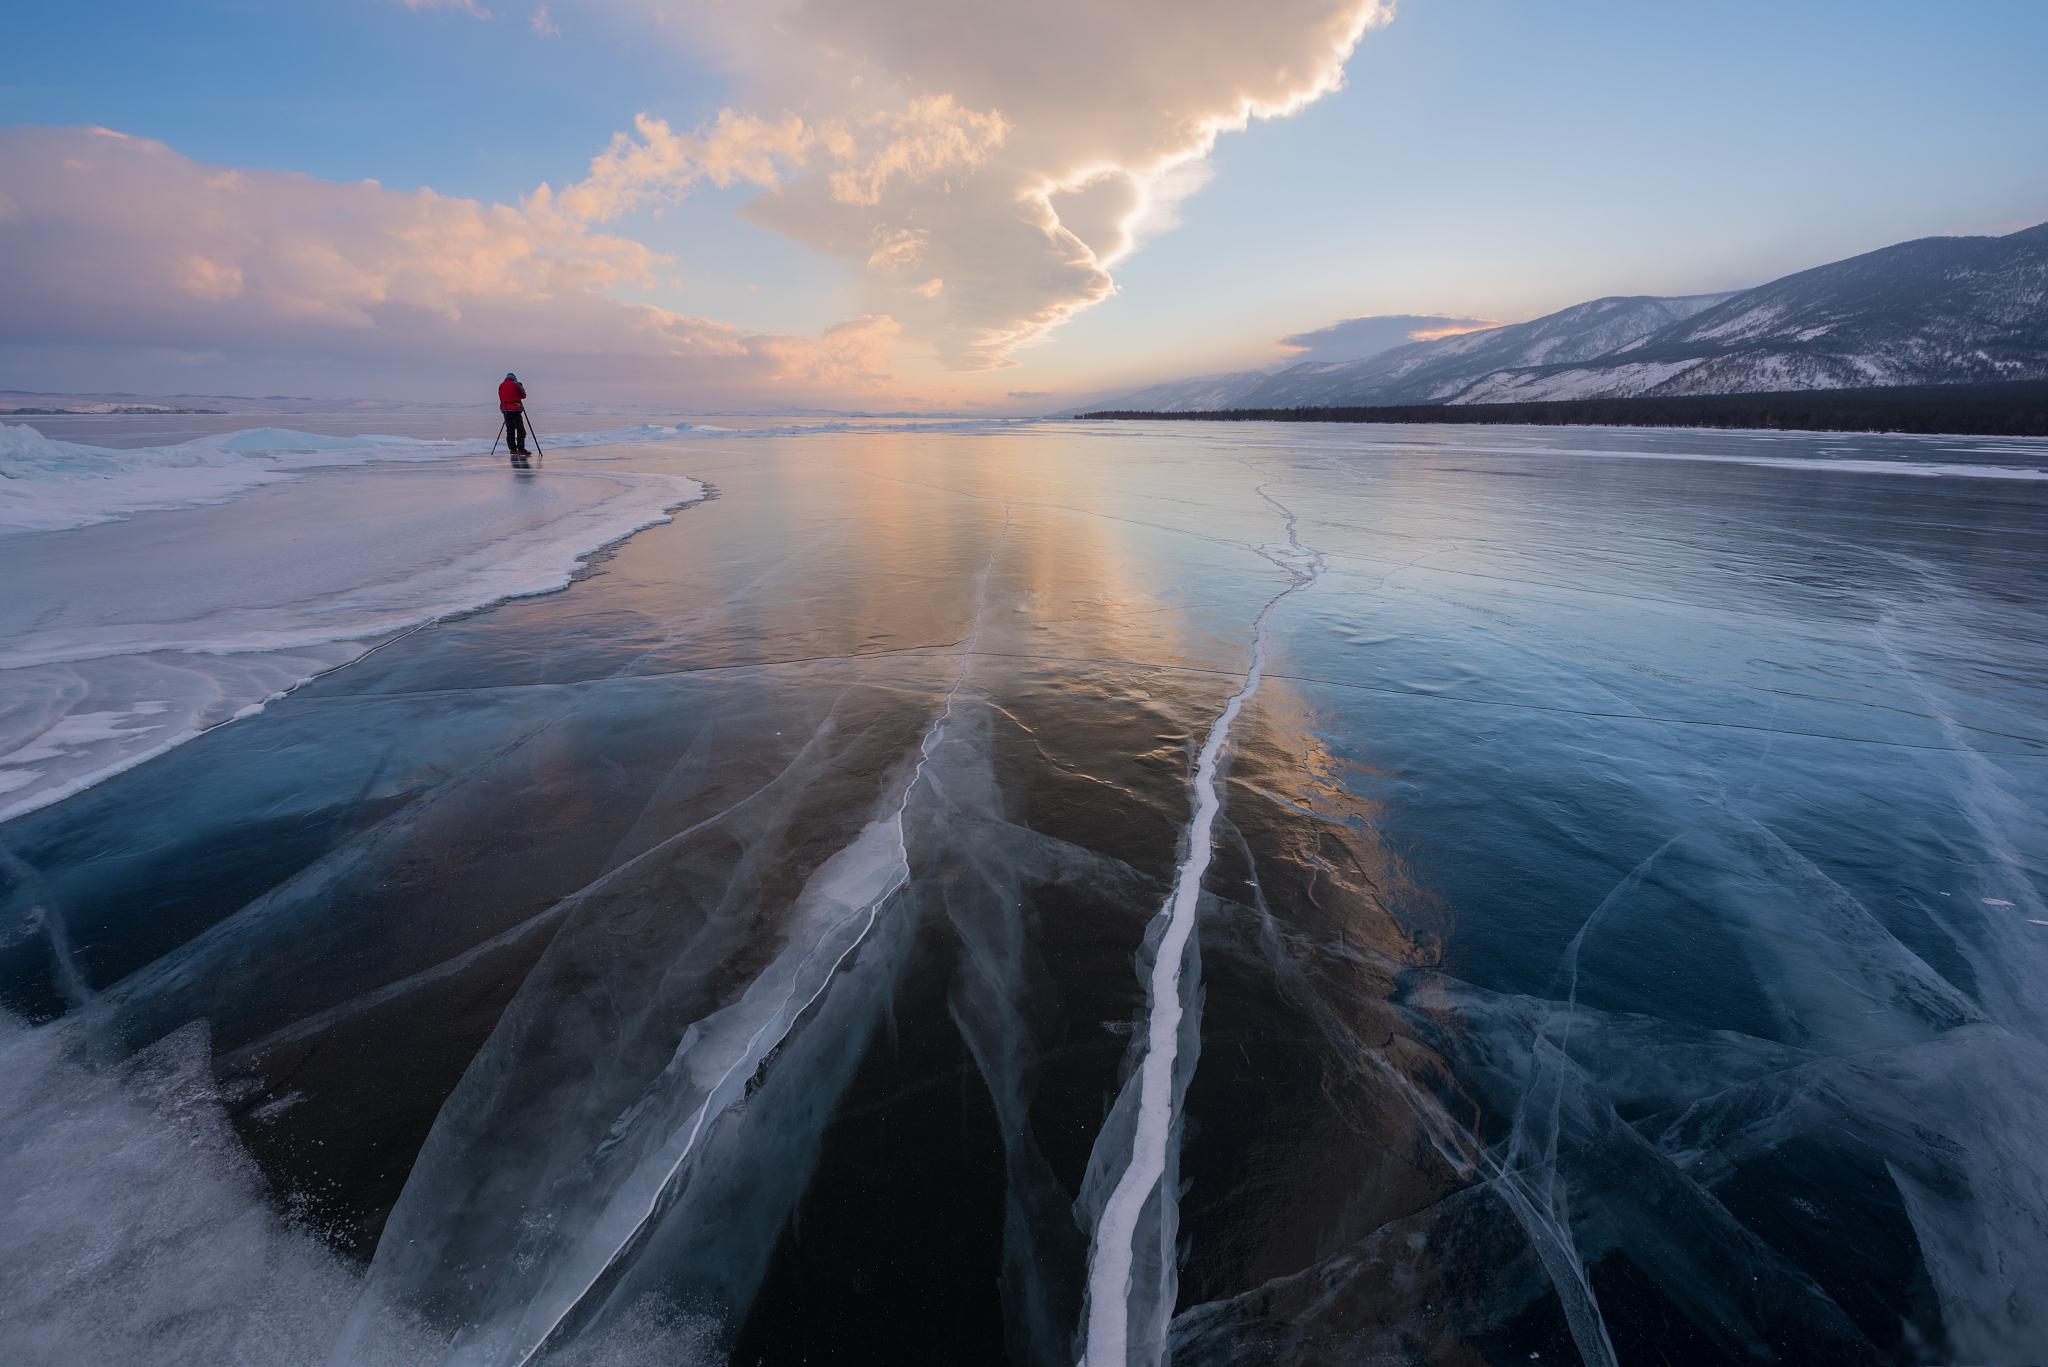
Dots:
{"x": 52, "y": 485}
{"x": 121, "y": 641}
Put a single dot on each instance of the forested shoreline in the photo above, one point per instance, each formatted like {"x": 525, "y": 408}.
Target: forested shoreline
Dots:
{"x": 2015, "y": 409}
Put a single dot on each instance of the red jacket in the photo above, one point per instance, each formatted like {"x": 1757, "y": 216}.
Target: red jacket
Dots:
{"x": 511, "y": 395}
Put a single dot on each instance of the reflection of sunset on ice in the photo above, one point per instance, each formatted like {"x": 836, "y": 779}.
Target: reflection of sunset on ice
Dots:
{"x": 595, "y": 974}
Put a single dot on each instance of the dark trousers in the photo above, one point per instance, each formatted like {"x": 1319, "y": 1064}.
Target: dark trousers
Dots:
{"x": 515, "y": 430}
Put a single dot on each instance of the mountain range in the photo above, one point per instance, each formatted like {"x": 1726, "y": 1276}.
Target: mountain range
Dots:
{"x": 1938, "y": 310}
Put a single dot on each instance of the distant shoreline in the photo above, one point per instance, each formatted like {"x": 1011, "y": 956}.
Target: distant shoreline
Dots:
{"x": 2016, "y": 409}
{"x": 111, "y": 411}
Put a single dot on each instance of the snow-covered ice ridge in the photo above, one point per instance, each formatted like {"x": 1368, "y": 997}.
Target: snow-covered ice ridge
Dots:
{"x": 118, "y": 644}
{"x": 51, "y": 485}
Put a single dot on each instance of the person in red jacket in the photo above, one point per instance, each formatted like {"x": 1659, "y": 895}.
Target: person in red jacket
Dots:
{"x": 512, "y": 403}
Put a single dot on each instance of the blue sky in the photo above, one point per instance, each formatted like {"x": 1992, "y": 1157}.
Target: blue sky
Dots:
{"x": 1491, "y": 158}
{"x": 1504, "y": 159}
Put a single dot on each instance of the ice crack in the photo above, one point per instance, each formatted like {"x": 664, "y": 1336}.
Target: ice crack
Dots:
{"x": 782, "y": 1022}
{"x": 1111, "y": 1303}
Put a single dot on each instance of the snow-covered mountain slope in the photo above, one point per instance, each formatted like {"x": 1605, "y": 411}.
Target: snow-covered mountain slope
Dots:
{"x": 1425, "y": 372}
{"x": 1435, "y": 371}
{"x": 1940, "y": 310}
{"x": 1197, "y": 395}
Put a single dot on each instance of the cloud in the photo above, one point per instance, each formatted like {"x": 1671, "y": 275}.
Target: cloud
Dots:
{"x": 1356, "y": 338}
{"x": 120, "y": 242}
{"x": 661, "y": 164}
{"x": 1024, "y": 149}
{"x": 469, "y": 7}
{"x": 897, "y": 249}
{"x": 1031, "y": 393}
{"x": 929, "y": 138}
{"x": 204, "y": 278}
{"x": 845, "y": 356}
{"x": 544, "y": 24}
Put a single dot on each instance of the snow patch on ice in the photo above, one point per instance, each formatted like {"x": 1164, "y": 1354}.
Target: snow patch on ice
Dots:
{"x": 117, "y": 645}
{"x": 51, "y": 485}
{"x": 137, "y": 1228}
{"x": 277, "y": 439}
{"x": 140, "y": 1231}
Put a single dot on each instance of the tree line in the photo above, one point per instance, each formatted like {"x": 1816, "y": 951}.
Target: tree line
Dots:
{"x": 2014, "y": 409}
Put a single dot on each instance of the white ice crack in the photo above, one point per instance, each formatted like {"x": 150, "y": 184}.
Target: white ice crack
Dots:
{"x": 1111, "y": 1303}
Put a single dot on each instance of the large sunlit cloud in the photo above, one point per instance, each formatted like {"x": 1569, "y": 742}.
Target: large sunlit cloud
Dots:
{"x": 658, "y": 164}
{"x": 110, "y": 241}
{"x": 984, "y": 165}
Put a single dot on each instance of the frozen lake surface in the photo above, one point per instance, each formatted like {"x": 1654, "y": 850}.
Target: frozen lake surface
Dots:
{"x": 1215, "y": 893}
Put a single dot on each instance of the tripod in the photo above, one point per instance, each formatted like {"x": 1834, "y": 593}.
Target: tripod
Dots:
{"x": 504, "y": 434}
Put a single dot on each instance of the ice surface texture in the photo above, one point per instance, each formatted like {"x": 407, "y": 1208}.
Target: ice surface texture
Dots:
{"x": 1616, "y": 937}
